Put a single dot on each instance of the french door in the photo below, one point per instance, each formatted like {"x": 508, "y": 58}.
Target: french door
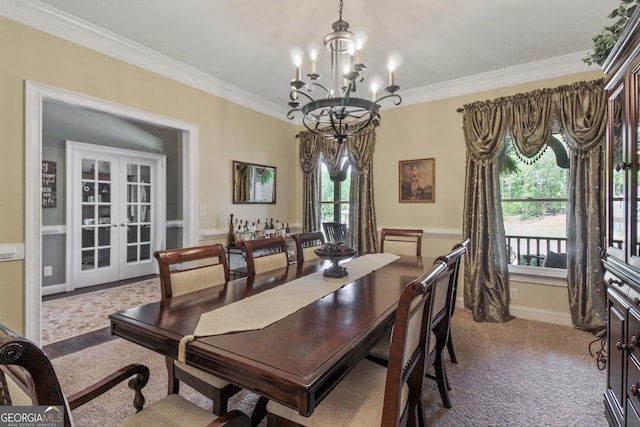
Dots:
{"x": 113, "y": 220}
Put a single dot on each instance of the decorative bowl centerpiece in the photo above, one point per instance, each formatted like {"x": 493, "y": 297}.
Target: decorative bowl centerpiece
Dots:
{"x": 335, "y": 252}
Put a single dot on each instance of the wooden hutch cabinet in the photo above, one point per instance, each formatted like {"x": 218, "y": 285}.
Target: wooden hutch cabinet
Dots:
{"x": 621, "y": 258}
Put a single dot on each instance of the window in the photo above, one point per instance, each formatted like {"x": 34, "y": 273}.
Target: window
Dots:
{"x": 534, "y": 205}
{"x": 334, "y": 198}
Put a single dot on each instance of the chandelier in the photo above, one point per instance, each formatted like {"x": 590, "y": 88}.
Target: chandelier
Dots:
{"x": 340, "y": 112}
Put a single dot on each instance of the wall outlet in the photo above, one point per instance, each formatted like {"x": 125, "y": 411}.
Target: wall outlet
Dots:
{"x": 203, "y": 210}
{"x": 513, "y": 293}
{"x": 48, "y": 271}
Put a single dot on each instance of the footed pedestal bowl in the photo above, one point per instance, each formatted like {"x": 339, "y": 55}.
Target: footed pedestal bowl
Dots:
{"x": 335, "y": 253}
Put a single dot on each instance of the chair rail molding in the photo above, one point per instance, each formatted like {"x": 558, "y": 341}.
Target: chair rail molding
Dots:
{"x": 11, "y": 251}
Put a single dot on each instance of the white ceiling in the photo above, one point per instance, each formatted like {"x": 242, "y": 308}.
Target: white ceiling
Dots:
{"x": 243, "y": 50}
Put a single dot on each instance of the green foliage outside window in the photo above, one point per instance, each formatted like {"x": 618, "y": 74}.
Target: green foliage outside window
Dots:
{"x": 328, "y": 196}
{"x": 540, "y": 180}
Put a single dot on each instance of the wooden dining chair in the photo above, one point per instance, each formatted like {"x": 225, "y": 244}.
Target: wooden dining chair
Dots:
{"x": 307, "y": 243}
{"x": 374, "y": 395}
{"x": 401, "y": 241}
{"x": 27, "y": 377}
{"x": 443, "y": 306}
{"x": 183, "y": 271}
{"x": 463, "y": 244}
{"x": 335, "y": 232}
{"x": 186, "y": 270}
{"x": 265, "y": 254}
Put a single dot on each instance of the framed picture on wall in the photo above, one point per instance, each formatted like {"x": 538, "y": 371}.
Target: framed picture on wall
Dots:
{"x": 417, "y": 180}
{"x": 49, "y": 184}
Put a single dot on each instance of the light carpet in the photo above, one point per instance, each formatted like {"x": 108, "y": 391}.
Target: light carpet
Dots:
{"x": 75, "y": 315}
{"x": 519, "y": 373}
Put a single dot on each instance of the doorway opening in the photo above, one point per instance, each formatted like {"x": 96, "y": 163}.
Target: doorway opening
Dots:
{"x": 36, "y": 97}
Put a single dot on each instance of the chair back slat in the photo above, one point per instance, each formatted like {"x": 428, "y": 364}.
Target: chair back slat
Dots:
{"x": 401, "y": 241}
{"x": 335, "y": 232}
{"x": 200, "y": 267}
{"x": 409, "y": 341}
{"x": 307, "y": 243}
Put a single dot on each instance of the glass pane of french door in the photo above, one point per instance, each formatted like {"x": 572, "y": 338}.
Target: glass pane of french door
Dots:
{"x": 138, "y": 213}
{"x": 96, "y": 214}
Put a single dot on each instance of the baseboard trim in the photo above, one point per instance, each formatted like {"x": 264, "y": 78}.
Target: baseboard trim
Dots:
{"x": 536, "y": 314}
{"x": 547, "y": 316}
{"x": 54, "y": 289}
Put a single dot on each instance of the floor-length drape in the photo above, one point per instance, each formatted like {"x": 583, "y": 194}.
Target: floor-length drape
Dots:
{"x": 309, "y": 154}
{"x": 362, "y": 214}
{"x": 486, "y": 286}
{"x": 579, "y": 109}
{"x": 582, "y": 113}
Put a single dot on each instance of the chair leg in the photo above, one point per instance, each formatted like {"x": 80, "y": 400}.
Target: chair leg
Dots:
{"x": 441, "y": 378}
{"x": 452, "y": 353}
{"x": 421, "y": 419}
{"x": 259, "y": 411}
{"x": 173, "y": 385}
{"x": 219, "y": 402}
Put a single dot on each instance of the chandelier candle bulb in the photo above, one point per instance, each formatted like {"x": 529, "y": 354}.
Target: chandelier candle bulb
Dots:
{"x": 298, "y": 63}
{"x": 374, "y": 90}
{"x": 392, "y": 67}
{"x": 359, "y": 52}
{"x": 314, "y": 56}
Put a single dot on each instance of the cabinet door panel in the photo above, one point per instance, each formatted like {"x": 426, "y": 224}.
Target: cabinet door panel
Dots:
{"x": 617, "y": 358}
{"x": 616, "y": 174}
{"x": 635, "y": 176}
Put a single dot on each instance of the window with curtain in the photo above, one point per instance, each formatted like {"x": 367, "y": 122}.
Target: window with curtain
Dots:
{"x": 334, "y": 194}
{"x": 579, "y": 110}
{"x": 356, "y": 187}
{"x": 534, "y": 204}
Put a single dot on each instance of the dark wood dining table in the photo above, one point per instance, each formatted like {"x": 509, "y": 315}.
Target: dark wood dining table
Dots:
{"x": 295, "y": 361}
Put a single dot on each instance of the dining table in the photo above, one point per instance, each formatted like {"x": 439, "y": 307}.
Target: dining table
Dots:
{"x": 299, "y": 358}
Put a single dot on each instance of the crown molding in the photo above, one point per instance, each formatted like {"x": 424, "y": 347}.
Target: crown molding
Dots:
{"x": 534, "y": 71}
{"x": 60, "y": 24}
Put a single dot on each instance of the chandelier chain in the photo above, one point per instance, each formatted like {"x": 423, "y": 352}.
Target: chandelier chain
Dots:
{"x": 340, "y": 10}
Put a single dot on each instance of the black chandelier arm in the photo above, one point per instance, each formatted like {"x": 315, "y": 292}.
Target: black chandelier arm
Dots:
{"x": 339, "y": 135}
{"x": 291, "y": 113}
{"x": 294, "y": 92}
{"x": 320, "y": 86}
{"x": 396, "y": 101}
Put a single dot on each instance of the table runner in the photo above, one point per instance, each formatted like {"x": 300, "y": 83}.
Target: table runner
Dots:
{"x": 263, "y": 309}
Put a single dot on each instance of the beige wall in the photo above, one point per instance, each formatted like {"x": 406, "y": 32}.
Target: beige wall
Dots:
{"x": 228, "y": 132}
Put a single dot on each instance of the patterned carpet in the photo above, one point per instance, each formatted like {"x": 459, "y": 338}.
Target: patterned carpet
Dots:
{"x": 519, "y": 373}
{"x": 510, "y": 374}
{"x": 81, "y": 313}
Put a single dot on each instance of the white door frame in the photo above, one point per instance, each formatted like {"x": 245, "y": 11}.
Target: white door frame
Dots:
{"x": 35, "y": 95}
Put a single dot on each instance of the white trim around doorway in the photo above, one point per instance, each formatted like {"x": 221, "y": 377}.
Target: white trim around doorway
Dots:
{"x": 35, "y": 95}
